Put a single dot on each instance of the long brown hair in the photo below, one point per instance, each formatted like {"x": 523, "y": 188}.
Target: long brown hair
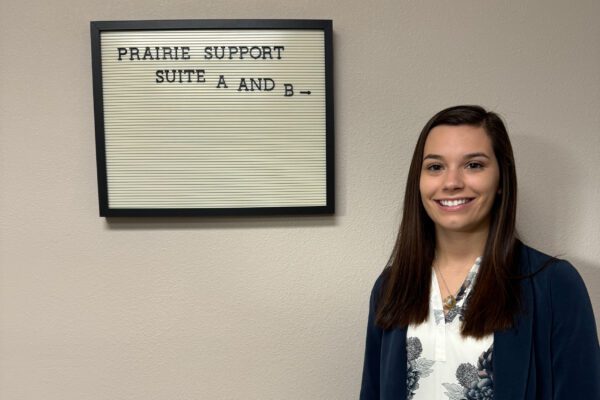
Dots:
{"x": 494, "y": 300}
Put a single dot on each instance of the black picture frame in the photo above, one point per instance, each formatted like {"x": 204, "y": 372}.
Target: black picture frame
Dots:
{"x": 99, "y": 27}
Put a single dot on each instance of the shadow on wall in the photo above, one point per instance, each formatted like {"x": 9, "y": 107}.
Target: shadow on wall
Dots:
{"x": 554, "y": 207}
{"x": 223, "y": 222}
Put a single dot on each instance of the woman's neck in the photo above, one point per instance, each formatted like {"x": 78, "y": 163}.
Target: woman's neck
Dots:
{"x": 459, "y": 249}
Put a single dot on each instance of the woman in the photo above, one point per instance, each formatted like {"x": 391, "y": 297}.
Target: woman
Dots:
{"x": 464, "y": 310}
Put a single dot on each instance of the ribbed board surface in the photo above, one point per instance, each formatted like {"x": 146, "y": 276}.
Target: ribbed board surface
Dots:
{"x": 193, "y": 145}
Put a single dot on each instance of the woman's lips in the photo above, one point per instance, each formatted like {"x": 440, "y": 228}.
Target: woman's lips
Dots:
{"x": 462, "y": 204}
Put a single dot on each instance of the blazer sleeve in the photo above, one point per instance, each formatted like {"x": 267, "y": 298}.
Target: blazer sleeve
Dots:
{"x": 369, "y": 389}
{"x": 574, "y": 341}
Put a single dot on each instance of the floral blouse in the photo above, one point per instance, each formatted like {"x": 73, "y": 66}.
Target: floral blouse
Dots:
{"x": 443, "y": 365}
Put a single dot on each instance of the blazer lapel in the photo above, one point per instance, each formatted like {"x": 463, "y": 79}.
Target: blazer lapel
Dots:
{"x": 512, "y": 347}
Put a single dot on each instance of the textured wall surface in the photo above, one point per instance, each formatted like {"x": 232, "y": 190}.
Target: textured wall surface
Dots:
{"x": 268, "y": 307}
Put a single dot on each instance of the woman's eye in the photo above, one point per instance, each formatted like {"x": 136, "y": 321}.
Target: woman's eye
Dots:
{"x": 474, "y": 165}
{"x": 433, "y": 167}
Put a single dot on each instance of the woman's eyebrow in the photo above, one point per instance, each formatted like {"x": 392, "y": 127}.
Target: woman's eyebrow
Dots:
{"x": 470, "y": 155}
{"x": 478, "y": 154}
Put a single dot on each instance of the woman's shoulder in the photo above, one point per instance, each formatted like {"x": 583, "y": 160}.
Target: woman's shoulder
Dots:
{"x": 536, "y": 262}
{"x": 378, "y": 285}
{"x": 559, "y": 276}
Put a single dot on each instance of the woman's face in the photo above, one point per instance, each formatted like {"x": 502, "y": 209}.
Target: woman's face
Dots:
{"x": 459, "y": 178}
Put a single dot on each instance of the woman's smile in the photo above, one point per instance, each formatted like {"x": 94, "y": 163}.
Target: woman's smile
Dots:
{"x": 454, "y": 204}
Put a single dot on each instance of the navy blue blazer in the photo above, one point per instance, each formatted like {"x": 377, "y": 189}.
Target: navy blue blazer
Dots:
{"x": 552, "y": 351}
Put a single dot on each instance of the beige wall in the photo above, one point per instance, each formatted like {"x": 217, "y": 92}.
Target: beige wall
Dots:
{"x": 268, "y": 308}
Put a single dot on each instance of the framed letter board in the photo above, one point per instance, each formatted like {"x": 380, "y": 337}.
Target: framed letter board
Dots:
{"x": 213, "y": 117}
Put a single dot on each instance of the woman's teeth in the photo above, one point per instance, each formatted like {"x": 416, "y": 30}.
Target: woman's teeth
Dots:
{"x": 453, "y": 203}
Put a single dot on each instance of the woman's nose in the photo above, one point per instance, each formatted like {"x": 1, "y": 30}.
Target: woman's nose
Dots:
{"x": 454, "y": 180}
